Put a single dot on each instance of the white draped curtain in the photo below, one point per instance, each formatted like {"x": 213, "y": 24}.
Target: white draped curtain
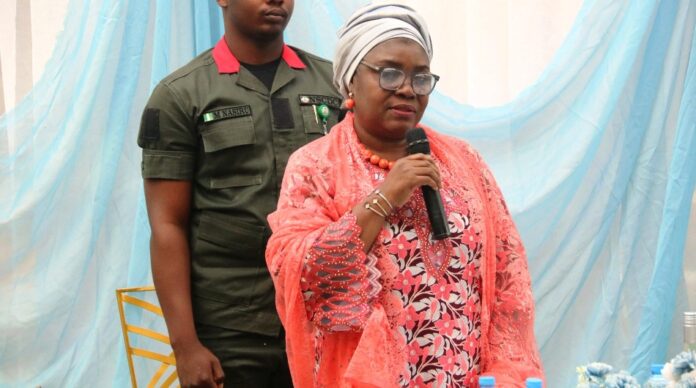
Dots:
{"x": 485, "y": 51}
{"x": 28, "y": 32}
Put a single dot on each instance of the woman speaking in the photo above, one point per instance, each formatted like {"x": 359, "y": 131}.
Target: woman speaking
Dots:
{"x": 368, "y": 295}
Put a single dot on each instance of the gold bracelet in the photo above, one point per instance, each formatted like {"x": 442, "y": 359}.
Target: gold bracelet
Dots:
{"x": 376, "y": 202}
{"x": 384, "y": 198}
{"x": 370, "y": 208}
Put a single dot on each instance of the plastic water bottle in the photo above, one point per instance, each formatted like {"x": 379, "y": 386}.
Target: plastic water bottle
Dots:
{"x": 656, "y": 380}
{"x": 533, "y": 382}
{"x": 486, "y": 381}
{"x": 690, "y": 331}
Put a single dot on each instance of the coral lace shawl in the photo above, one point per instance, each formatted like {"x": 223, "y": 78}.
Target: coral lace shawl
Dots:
{"x": 327, "y": 178}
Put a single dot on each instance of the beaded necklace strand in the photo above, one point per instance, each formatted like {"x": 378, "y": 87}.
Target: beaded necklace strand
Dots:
{"x": 375, "y": 159}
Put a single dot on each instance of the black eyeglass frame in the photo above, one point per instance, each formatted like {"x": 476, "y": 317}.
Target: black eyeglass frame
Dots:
{"x": 380, "y": 69}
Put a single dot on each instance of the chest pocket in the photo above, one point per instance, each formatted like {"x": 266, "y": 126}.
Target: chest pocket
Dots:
{"x": 227, "y": 127}
{"x": 228, "y": 133}
{"x": 314, "y": 124}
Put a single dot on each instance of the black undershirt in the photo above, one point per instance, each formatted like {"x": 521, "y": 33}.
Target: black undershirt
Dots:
{"x": 264, "y": 72}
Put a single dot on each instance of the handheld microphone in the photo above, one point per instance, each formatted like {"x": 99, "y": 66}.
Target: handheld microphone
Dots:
{"x": 417, "y": 143}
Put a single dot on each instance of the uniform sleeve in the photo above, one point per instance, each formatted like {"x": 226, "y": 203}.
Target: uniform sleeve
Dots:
{"x": 168, "y": 136}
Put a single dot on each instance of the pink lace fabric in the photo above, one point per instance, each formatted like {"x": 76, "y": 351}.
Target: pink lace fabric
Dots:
{"x": 361, "y": 345}
{"x": 339, "y": 280}
{"x": 511, "y": 333}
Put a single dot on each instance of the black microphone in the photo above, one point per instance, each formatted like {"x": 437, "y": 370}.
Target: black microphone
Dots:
{"x": 417, "y": 143}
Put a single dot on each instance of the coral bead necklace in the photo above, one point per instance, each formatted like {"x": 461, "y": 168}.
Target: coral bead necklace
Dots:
{"x": 375, "y": 159}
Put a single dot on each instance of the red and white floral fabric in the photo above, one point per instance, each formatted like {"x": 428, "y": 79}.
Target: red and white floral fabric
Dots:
{"x": 412, "y": 311}
{"x": 442, "y": 320}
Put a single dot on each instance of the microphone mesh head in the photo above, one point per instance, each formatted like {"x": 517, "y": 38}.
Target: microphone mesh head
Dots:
{"x": 417, "y": 142}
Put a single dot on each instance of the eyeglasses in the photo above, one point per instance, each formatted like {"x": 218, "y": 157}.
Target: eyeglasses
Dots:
{"x": 392, "y": 79}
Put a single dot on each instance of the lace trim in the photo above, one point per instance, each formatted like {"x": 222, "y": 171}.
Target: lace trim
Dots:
{"x": 339, "y": 281}
{"x": 512, "y": 335}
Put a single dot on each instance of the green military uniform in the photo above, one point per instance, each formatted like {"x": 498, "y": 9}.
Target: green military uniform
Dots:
{"x": 214, "y": 123}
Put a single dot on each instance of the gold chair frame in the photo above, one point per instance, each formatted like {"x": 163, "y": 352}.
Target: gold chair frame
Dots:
{"x": 166, "y": 361}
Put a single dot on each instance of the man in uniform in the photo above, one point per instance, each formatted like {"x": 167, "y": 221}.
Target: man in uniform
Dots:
{"x": 216, "y": 135}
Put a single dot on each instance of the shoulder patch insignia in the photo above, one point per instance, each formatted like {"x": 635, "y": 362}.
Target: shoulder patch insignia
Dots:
{"x": 150, "y": 124}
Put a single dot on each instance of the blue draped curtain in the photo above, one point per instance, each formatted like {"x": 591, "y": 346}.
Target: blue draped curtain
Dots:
{"x": 597, "y": 161}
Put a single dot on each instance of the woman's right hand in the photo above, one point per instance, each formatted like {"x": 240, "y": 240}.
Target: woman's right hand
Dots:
{"x": 408, "y": 174}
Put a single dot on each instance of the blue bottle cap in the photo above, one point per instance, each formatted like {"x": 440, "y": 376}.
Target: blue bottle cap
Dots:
{"x": 486, "y": 381}
{"x": 533, "y": 382}
{"x": 656, "y": 369}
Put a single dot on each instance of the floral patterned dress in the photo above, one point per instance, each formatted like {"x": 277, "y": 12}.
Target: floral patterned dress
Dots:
{"x": 438, "y": 284}
{"x": 442, "y": 323}
{"x": 410, "y": 311}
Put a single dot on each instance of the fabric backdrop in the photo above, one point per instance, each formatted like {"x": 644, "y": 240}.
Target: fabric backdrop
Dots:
{"x": 596, "y": 159}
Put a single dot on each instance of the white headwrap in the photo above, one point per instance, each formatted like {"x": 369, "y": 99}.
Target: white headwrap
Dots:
{"x": 370, "y": 26}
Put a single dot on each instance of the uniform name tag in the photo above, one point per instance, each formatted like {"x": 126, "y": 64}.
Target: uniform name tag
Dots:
{"x": 227, "y": 113}
{"x": 314, "y": 99}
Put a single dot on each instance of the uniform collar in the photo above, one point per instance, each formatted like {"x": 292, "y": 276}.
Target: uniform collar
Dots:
{"x": 227, "y": 63}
